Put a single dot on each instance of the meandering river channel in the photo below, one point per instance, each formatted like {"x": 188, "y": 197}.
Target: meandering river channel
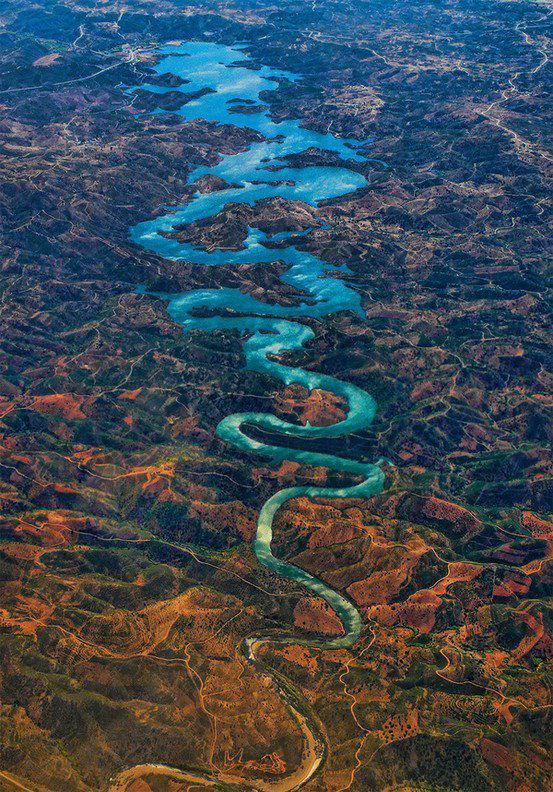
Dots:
{"x": 223, "y": 80}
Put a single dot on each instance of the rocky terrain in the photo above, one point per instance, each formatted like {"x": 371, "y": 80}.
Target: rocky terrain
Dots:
{"x": 127, "y": 579}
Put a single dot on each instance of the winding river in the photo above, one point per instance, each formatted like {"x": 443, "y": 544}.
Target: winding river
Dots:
{"x": 223, "y": 80}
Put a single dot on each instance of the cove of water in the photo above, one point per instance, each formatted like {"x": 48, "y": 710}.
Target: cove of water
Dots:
{"x": 228, "y": 79}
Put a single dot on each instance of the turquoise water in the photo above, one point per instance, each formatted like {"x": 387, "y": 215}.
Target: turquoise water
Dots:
{"x": 228, "y": 79}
